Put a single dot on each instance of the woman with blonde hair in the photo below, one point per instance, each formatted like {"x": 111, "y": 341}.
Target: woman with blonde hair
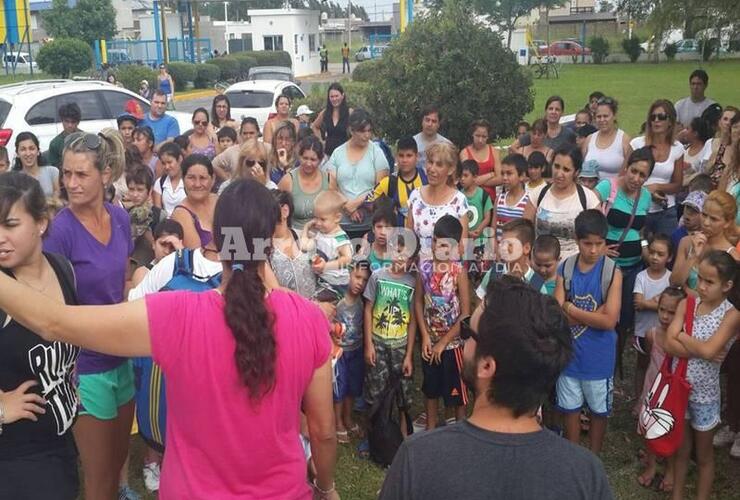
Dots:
{"x": 718, "y": 232}
{"x": 720, "y": 153}
{"x": 438, "y": 198}
{"x": 253, "y": 163}
{"x": 95, "y": 236}
{"x": 282, "y": 154}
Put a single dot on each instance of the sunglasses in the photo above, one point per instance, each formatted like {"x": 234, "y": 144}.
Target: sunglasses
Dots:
{"x": 202, "y": 123}
{"x": 252, "y": 163}
{"x": 91, "y": 141}
{"x": 658, "y": 117}
{"x": 466, "y": 331}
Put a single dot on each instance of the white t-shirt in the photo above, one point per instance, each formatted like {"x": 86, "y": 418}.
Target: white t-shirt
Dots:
{"x": 663, "y": 171}
{"x": 422, "y": 145}
{"x": 162, "y": 272}
{"x": 557, "y": 217}
{"x": 649, "y": 288}
{"x": 327, "y": 246}
{"x": 687, "y": 110}
{"x": 171, "y": 197}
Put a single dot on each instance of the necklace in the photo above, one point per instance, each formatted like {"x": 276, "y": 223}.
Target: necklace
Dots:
{"x": 40, "y": 290}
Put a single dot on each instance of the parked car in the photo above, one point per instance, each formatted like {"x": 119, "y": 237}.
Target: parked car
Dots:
{"x": 256, "y": 98}
{"x": 270, "y": 73}
{"x": 365, "y": 52}
{"x": 567, "y": 48}
{"x": 117, "y": 57}
{"x": 20, "y": 62}
{"x": 32, "y": 106}
{"x": 540, "y": 45}
{"x": 687, "y": 45}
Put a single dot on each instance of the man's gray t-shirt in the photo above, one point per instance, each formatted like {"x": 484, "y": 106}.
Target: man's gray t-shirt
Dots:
{"x": 465, "y": 461}
{"x": 422, "y": 145}
{"x": 687, "y": 110}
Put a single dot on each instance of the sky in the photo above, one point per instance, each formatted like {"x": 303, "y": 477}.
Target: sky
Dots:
{"x": 382, "y": 6}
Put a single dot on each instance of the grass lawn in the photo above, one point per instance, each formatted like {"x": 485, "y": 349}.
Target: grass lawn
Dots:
{"x": 10, "y": 78}
{"x": 636, "y": 86}
{"x": 359, "y": 479}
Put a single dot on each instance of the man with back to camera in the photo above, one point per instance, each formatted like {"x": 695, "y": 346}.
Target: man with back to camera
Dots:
{"x": 430, "y": 121}
{"x": 164, "y": 126}
{"x": 518, "y": 341}
{"x": 693, "y": 106}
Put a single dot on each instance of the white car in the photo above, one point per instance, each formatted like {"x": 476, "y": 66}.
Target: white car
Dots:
{"x": 32, "y": 106}
{"x": 256, "y": 98}
{"x": 19, "y": 62}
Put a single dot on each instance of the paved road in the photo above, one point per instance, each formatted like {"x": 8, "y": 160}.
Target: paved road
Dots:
{"x": 335, "y": 73}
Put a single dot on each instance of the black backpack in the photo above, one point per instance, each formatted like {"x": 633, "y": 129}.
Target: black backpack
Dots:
{"x": 384, "y": 436}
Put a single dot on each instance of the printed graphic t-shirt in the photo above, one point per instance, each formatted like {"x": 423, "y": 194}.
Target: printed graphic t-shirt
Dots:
{"x": 393, "y": 301}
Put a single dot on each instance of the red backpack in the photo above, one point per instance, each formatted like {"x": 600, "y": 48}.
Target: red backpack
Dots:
{"x": 663, "y": 413}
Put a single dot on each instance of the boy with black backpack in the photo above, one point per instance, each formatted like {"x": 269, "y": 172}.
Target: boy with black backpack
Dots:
{"x": 589, "y": 290}
{"x": 399, "y": 185}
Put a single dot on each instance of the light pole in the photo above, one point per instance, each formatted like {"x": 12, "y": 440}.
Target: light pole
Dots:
{"x": 226, "y": 25}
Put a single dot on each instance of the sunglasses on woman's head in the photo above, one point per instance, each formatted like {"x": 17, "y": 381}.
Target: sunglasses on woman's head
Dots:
{"x": 91, "y": 141}
{"x": 252, "y": 163}
{"x": 466, "y": 331}
{"x": 658, "y": 117}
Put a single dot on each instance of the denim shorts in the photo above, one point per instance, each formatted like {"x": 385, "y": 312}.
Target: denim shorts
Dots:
{"x": 350, "y": 372}
{"x": 572, "y": 393}
{"x": 703, "y": 416}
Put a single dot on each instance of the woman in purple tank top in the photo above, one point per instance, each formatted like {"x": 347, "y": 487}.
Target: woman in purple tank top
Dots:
{"x": 95, "y": 237}
{"x": 195, "y": 214}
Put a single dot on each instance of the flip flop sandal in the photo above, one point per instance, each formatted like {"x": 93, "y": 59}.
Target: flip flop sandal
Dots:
{"x": 342, "y": 437}
{"x": 355, "y": 431}
{"x": 644, "y": 483}
{"x": 363, "y": 450}
{"x": 665, "y": 487}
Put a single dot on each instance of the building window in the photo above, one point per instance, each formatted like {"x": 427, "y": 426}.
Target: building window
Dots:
{"x": 311, "y": 43}
{"x": 295, "y": 44}
{"x": 274, "y": 42}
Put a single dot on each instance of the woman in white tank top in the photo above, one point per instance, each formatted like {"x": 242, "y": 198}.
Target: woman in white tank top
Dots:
{"x": 610, "y": 146}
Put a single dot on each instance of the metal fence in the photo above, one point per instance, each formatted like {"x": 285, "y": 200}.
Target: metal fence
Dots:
{"x": 145, "y": 51}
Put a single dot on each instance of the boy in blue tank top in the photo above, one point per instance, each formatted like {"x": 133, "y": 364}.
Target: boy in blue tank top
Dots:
{"x": 589, "y": 291}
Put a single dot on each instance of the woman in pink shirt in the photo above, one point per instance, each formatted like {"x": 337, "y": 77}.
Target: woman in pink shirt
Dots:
{"x": 241, "y": 362}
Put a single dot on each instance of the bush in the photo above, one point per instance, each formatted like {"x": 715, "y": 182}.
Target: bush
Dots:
{"x": 206, "y": 75}
{"x": 228, "y": 66}
{"x": 246, "y": 62}
{"x": 423, "y": 67}
{"x": 130, "y": 75}
{"x": 182, "y": 73}
{"x": 363, "y": 71}
{"x": 670, "y": 51}
{"x": 632, "y": 48}
{"x": 64, "y": 57}
{"x": 270, "y": 57}
{"x": 599, "y": 49}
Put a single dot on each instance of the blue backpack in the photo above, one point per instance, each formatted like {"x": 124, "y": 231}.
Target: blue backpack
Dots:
{"x": 151, "y": 407}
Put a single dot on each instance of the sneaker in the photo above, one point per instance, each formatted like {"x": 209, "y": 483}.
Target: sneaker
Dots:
{"x": 735, "y": 450}
{"x": 724, "y": 437}
{"x": 126, "y": 493}
{"x": 151, "y": 476}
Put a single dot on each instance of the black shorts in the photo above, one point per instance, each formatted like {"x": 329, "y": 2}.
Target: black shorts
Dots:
{"x": 49, "y": 475}
{"x": 443, "y": 380}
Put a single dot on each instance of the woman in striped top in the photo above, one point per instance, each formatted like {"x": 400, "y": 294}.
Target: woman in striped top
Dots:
{"x": 512, "y": 201}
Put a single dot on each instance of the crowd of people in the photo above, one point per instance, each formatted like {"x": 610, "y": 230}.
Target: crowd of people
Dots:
{"x": 308, "y": 270}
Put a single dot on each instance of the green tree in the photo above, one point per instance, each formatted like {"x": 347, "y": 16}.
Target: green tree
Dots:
{"x": 64, "y": 57}
{"x": 425, "y": 66}
{"x": 88, "y": 20}
{"x": 505, "y": 13}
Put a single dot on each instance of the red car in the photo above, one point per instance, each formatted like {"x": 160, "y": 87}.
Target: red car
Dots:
{"x": 567, "y": 48}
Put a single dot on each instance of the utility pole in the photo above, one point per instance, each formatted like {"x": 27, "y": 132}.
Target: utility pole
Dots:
{"x": 226, "y": 25}
{"x": 349, "y": 24}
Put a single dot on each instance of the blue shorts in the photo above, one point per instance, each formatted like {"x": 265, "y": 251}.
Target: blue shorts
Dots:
{"x": 572, "y": 393}
{"x": 703, "y": 416}
{"x": 350, "y": 372}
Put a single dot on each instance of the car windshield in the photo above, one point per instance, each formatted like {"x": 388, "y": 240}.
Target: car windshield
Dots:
{"x": 250, "y": 99}
{"x": 271, "y": 76}
{"x": 4, "y": 110}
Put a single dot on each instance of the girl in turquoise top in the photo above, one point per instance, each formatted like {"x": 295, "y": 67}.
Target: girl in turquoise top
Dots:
{"x": 717, "y": 225}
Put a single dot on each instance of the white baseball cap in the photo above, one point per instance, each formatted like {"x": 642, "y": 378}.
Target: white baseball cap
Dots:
{"x": 303, "y": 110}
